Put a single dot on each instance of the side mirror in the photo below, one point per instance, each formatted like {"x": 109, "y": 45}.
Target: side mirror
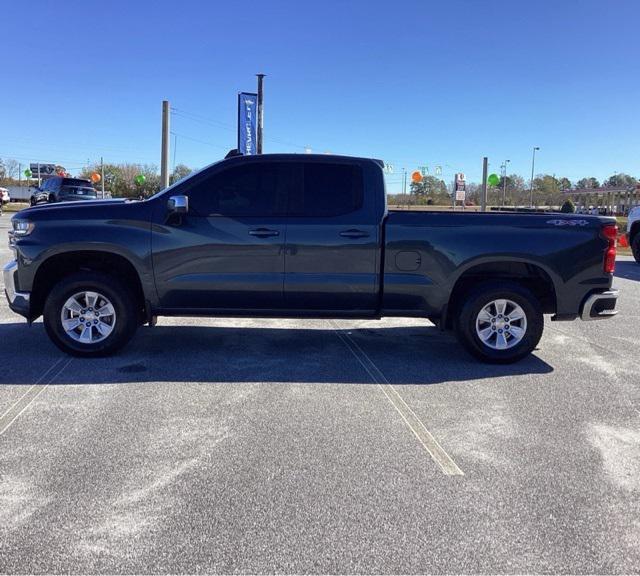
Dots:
{"x": 178, "y": 204}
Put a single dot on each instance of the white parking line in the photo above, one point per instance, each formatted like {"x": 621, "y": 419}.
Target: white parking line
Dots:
{"x": 10, "y": 416}
{"x": 430, "y": 444}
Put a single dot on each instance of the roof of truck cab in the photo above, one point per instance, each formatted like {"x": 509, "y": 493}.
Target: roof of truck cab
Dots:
{"x": 303, "y": 157}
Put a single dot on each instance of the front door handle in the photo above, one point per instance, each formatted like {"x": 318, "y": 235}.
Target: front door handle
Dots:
{"x": 353, "y": 233}
{"x": 264, "y": 232}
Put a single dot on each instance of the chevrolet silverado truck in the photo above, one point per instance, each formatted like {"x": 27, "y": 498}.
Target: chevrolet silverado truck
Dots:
{"x": 303, "y": 236}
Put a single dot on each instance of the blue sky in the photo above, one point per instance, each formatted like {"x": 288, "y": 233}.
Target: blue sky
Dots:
{"x": 414, "y": 83}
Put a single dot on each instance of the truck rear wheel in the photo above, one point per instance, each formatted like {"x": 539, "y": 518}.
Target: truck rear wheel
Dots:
{"x": 90, "y": 314}
{"x": 499, "y": 322}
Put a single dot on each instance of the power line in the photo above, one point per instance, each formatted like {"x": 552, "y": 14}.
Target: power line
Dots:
{"x": 205, "y": 120}
{"x": 200, "y": 141}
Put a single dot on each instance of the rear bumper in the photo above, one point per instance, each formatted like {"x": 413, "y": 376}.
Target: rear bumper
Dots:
{"x": 19, "y": 302}
{"x": 600, "y": 306}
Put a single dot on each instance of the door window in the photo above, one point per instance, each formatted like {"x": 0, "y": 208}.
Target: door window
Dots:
{"x": 329, "y": 190}
{"x": 250, "y": 190}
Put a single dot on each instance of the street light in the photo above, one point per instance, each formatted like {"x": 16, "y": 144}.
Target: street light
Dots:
{"x": 533, "y": 163}
{"x": 504, "y": 181}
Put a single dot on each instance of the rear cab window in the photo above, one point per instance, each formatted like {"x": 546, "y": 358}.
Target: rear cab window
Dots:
{"x": 329, "y": 190}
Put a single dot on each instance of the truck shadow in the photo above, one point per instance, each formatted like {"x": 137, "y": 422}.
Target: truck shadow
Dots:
{"x": 405, "y": 355}
{"x": 628, "y": 269}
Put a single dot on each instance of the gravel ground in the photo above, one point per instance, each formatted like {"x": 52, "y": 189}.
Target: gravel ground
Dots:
{"x": 316, "y": 446}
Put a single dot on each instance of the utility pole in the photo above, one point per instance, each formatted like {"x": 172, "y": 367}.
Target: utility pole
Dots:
{"x": 504, "y": 182}
{"x": 404, "y": 186}
{"x": 260, "y": 112}
{"x": 483, "y": 197}
{"x": 533, "y": 163}
{"x": 164, "y": 159}
{"x": 102, "y": 176}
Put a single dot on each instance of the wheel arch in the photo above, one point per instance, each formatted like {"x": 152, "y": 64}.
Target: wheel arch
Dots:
{"x": 61, "y": 264}
{"x": 532, "y": 275}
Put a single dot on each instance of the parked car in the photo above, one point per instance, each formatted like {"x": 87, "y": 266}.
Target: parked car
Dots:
{"x": 62, "y": 189}
{"x": 633, "y": 232}
{"x": 304, "y": 236}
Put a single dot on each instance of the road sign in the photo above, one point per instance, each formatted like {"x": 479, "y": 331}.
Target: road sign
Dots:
{"x": 460, "y": 187}
{"x": 45, "y": 169}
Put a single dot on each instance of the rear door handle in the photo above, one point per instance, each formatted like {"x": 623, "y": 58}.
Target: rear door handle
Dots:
{"x": 264, "y": 232}
{"x": 353, "y": 233}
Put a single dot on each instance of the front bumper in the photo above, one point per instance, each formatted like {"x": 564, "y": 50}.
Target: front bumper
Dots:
{"x": 600, "y": 305}
{"x": 19, "y": 302}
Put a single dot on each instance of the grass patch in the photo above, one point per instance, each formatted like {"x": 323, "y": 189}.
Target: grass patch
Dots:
{"x": 15, "y": 206}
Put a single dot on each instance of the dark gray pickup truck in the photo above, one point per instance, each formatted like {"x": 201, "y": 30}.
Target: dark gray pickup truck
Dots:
{"x": 303, "y": 236}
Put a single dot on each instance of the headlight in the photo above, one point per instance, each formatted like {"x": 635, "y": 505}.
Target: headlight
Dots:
{"x": 22, "y": 227}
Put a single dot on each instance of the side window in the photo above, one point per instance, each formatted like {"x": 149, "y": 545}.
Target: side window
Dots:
{"x": 329, "y": 190}
{"x": 254, "y": 189}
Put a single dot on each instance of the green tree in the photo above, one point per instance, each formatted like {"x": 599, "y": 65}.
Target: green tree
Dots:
{"x": 430, "y": 188}
{"x": 513, "y": 192}
{"x": 589, "y": 182}
{"x": 568, "y": 207}
{"x": 119, "y": 179}
{"x": 620, "y": 181}
{"x": 547, "y": 190}
{"x": 179, "y": 172}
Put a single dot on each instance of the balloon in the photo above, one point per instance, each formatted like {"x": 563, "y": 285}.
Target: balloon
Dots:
{"x": 95, "y": 178}
{"x": 494, "y": 179}
{"x": 140, "y": 179}
{"x": 416, "y": 177}
{"x": 27, "y": 173}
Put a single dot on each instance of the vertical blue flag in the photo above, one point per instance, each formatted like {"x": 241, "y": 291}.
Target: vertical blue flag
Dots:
{"x": 247, "y": 122}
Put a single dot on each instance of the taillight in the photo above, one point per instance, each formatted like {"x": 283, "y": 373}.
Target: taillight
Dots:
{"x": 610, "y": 233}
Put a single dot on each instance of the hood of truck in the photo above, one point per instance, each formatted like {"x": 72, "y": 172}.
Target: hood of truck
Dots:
{"x": 80, "y": 209}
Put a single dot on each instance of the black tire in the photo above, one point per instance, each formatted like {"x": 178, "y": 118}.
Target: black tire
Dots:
{"x": 480, "y": 296}
{"x": 125, "y": 321}
{"x": 635, "y": 247}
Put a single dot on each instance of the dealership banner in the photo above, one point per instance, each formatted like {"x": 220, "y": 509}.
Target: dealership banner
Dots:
{"x": 247, "y": 123}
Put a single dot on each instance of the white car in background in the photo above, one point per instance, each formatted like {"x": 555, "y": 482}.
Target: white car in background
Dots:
{"x": 633, "y": 232}
{"x": 4, "y": 197}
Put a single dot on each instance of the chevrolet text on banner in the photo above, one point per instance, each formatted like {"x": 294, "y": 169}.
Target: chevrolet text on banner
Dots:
{"x": 247, "y": 122}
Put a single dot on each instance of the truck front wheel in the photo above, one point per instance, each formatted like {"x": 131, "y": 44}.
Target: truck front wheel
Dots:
{"x": 90, "y": 314}
{"x": 499, "y": 322}
{"x": 635, "y": 247}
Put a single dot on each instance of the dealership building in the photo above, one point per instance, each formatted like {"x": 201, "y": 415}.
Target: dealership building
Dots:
{"x": 613, "y": 200}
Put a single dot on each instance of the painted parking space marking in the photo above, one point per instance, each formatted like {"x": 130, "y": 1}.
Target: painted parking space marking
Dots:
{"x": 12, "y": 414}
{"x": 421, "y": 432}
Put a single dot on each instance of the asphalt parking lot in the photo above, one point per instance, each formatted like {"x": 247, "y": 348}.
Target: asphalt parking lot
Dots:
{"x": 321, "y": 447}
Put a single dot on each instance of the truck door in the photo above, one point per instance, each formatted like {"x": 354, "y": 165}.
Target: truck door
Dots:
{"x": 227, "y": 253}
{"x": 332, "y": 244}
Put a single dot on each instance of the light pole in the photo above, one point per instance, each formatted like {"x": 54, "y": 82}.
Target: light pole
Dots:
{"x": 533, "y": 163}
{"x": 504, "y": 181}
